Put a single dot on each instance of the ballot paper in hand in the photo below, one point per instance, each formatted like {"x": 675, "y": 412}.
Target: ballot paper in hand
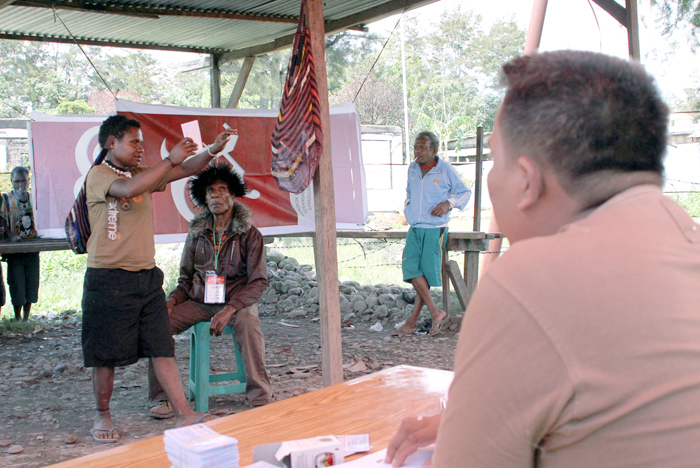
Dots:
{"x": 198, "y": 446}
{"x": 191, "y": 130}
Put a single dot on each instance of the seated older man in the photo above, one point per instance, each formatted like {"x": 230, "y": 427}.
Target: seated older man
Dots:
{"x": 223, "y": 242}
{"x": 581, "y": 345}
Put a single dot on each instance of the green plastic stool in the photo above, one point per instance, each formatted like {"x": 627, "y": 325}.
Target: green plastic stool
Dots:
{"x": 200, "y": 380}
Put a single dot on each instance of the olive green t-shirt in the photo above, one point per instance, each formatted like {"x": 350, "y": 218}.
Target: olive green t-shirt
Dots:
{"x": 121, "y": 228}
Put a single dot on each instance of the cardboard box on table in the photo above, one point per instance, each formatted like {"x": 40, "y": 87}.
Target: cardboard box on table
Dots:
{"x": 316, "y": 452}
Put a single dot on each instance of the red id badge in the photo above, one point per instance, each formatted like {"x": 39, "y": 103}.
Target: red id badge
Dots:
{"x": 215, "y": 289}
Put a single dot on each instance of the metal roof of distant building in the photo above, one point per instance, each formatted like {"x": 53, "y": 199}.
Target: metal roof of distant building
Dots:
{"x": 234, "y": 29}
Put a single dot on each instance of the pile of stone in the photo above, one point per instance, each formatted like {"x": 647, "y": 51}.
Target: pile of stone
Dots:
{"x": 293, "y": 291}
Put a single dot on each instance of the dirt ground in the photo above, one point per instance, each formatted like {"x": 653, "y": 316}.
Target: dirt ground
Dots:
{"x": 48, "y": 407}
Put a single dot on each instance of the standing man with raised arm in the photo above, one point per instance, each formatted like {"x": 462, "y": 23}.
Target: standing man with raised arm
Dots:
{"x": 124, "y": 312}
{"x": 581, "y": 345}
{"x": 433, "y": 189}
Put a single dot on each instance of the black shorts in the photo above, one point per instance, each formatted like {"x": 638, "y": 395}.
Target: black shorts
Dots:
{"x": 23, "y": 277}
{"x": 124, "y": 317}
{"x": 2, "y": 289}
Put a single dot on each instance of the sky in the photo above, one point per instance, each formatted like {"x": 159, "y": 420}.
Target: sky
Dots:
{"x": 569, "y": 24}
{"x": 583, "y": 25}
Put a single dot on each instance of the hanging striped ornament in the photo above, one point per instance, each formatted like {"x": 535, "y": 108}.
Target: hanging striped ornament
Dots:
{"x": 297, "y": 140}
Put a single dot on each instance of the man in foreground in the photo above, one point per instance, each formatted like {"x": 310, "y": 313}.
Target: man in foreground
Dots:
{"x": 222, "y": 242}
{"x": 432, "y": 190}
{"x": 581, "y": 345}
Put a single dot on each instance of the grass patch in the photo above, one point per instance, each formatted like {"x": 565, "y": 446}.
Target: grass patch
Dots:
{"x": 8, "y": 324}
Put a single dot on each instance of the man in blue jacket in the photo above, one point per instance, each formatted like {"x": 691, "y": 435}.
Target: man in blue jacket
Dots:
{"x": 433, "y": 189}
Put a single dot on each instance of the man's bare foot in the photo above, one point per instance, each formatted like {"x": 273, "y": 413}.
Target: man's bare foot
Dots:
{"x": 103, "y": 430}
{"x": 194, "y": 418}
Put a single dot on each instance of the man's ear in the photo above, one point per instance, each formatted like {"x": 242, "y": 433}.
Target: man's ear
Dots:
{"x": 533, "y": 183}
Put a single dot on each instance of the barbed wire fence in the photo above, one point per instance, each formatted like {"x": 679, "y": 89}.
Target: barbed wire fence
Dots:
{"x": 367, "y": 261}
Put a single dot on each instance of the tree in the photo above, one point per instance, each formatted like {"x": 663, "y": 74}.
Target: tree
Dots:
{"x": 44, "y": 76}
{"x": 74, "y": 108}
{"x": 135, "y": 71}
{"x": 377, "y": 103}
{"x": 676, "y": 12}
{"x": 453, "y": 71}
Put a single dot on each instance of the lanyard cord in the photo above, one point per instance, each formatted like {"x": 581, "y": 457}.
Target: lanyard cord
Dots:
{"x": 218, "y": 249}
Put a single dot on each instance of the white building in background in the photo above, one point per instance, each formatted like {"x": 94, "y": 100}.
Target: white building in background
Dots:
{"x": 13, "y": 143}
{"x": 682, "y": 130}
{"x": 385, "y": 170}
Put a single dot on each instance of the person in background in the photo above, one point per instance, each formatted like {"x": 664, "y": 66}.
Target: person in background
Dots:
{"x": 124, "y": 312}
{"x": 22, "y": 268}
{"x": 222, "y": 242}
{"x": 432, "y": 190}
{"x": 581, "y": 345}
{"x": 5, "y": 235}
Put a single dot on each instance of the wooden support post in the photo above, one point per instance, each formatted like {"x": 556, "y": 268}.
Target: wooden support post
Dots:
{"x": 324, "y": 205}
{"x": 471, "y": 249}
{"x": 633, "y": 29}
{"x": 246, "y": 67}
{"x": 471, "y": 270}
{"x": 463, "y": 294}
{"x": 534, "y": 31}
{"x": 215, "y": 78}
{"x": 478, "y": 177}
{"x": 445, "y": 282}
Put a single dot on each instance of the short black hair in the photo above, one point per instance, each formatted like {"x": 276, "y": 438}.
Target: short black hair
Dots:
{"x": 116, "y": 126}
{"x": 19, "y": 169}
{"x": 221, "y": 172}
{"x": 434, "y": 140}
{"x": 582, "y": 113}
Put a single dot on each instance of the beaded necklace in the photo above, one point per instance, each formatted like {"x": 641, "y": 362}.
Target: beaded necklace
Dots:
{"x": 119, "y": 171}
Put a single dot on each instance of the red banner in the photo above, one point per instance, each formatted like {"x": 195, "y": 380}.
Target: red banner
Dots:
{"x": 63, "y": 149}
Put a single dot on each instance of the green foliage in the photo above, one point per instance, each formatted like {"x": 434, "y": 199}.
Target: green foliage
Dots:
{"x": 452, "y": 74}
{"x": 74, "y": 108}
{"x": 61, "y": 281}
{"x": 689, "y": 201}
{"x": 9, "y": 324}
{"x": 675, "y": 13}
{"x": 136, "y": 71}
{"x": 168, "y": 260}
{"x": 5, "y": 182}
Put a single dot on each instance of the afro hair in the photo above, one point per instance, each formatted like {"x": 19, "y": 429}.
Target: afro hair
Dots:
{"x": 214, "y": 173}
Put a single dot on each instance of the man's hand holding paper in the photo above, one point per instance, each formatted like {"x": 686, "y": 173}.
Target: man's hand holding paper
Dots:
{"x": 413, "y": 434}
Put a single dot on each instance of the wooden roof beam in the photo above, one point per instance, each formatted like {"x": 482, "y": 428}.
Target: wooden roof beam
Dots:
{"x": 614, "y": 9}
{"x": 149, "y": 12}
{"x": 94, "y": 42}
{"x": 373, "y": 14}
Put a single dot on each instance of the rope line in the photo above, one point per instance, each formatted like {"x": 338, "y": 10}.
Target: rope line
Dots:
{"x": 380, "y": 53}
{"x": 55, "y": 14}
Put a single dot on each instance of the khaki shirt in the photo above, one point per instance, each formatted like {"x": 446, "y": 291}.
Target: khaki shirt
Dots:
{"x": 122, "y": 228}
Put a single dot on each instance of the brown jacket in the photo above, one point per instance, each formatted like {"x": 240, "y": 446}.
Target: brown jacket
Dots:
{"x": 241, "y": 260}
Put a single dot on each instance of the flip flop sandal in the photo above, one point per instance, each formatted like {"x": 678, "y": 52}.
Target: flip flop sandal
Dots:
{"x": 437, "y": 326}
{"x": 163, "y": 410}
{"x": 110, "y": 440}
{"x": 203, "y": 417}
{"x": 405, "y": 330}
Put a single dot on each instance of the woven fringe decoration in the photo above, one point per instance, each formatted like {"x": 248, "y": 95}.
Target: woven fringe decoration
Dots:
{"x": 297, "y": 140}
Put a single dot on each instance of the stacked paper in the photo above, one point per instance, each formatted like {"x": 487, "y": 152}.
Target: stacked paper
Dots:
{"x": 198, "y": 446}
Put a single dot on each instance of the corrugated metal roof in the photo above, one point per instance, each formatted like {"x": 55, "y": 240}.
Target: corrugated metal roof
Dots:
{"x": 239, "y": 28}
